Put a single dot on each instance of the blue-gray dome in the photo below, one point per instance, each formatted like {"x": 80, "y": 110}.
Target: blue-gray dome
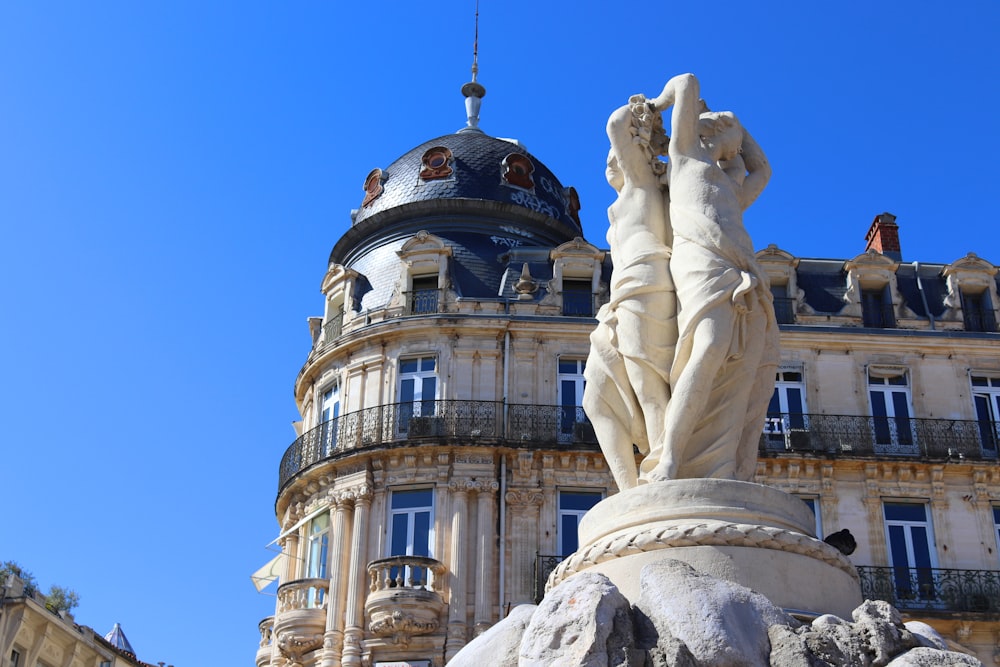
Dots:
{"x": 474, "y": 170}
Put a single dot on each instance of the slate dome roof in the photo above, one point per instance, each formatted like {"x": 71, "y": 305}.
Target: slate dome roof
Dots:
{"x": 476, "y": 173}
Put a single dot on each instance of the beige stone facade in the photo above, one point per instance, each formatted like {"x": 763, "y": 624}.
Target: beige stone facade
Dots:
{"x": 33, "y": 636}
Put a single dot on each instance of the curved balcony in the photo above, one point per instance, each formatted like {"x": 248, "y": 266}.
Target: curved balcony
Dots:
{"x": 301, "y": 619}
{"x": 933, "y": 590}
{"x": 881, "y": 437}
{"x": 470, "y": 422}
{"x": 266, "y": 640}
{"x": 405, "y": 597}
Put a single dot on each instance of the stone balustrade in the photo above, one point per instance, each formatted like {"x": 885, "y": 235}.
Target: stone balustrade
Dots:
{"x": 303, "y": 594}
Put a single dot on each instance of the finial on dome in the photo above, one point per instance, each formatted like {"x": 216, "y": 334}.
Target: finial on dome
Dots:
{"x": 473, "y": 91}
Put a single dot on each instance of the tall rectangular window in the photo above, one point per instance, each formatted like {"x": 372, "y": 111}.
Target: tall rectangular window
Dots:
{"x": 15, "y": 659}
{"x": 977, "y": 310}
{"x": 889, "y": 393}
{"x": 329, "y": 411}
{"x": 571, "y": 383}
{"x": 788, "y": 402}
{"x": 417, "y": 389}
{"x": 578, "y": 298}
{"x": 572, "y": 506}
{"x": 317, "y": 555}
{"x": 876, "y": 308}
{"x": 986, "y": 397}
{"x": 996, "y": 526}
{"x": 911, "y": 549}
{"x": 411, "y": 528}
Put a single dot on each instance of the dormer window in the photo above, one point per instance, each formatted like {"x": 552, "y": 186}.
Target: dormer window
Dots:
{"x": 516, "y": 170}
{"x": 424, "y": 275}
{"x": 872, "y": 292}
{"x": 436, "y": 164}
{"x": 780, "y": 267}
{"x": 576, "y": 275}
{"x": 972, "y": 289}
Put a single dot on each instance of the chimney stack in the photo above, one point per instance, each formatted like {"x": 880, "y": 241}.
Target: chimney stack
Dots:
{"x": 883, "y": 236}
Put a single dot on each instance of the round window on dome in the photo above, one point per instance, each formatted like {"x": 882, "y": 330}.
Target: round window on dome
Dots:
{"x": 516, "y": 170}
{"x": 436, "y": 163}
{"x": 373, "y": 186}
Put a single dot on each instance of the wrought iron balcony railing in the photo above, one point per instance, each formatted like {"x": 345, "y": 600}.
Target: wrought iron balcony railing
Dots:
{"x": 882, "y": 436}
{"x": 543, "y": 568}
{"x": 423, "y": 302}
{"x": 933, "y": 589}
{"x": 470, "y": 421}
{"x": 333, "y": 328}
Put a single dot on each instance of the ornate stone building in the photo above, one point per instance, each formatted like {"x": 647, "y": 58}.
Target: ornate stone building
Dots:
{"x": 31, "y": 635}
{"x": 442, "y": 462}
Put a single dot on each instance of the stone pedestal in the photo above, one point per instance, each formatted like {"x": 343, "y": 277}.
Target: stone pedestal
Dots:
{"x": 751, "y": 534}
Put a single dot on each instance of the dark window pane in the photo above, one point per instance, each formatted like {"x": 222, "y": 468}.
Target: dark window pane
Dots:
{"x": 569, "y": 366}
{"x": 774, "y": 407}
{"x": 578, "y": 500}
{"x": 570, "y": 539}
{"x": 397, "y": 547}
{"x": 409, "y": 499}
{"x": 905, "y": 512}
{"x": 578, "y": 300}
{"x": 421, "y": 533}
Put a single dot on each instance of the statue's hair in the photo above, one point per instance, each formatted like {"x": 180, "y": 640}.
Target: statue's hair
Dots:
{"x": 647, "y": 131}
{"x": 719, "y": 121}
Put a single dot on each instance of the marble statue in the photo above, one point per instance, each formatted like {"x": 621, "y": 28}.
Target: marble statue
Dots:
{"x": 683, "y": 359}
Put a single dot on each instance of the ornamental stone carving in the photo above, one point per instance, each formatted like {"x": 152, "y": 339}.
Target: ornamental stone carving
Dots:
{"x": 294, "y": 646}
{"x": 401, "y": 626}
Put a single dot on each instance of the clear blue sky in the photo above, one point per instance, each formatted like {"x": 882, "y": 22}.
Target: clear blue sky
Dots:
{"x": 174, "y": 174}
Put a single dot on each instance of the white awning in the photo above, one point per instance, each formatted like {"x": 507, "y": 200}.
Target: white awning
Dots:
{"x": 298, "y": 524}
{"x": 270, "y": 572}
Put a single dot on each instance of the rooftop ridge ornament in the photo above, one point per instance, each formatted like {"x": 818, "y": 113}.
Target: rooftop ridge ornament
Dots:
{"x": 473, "y": 91}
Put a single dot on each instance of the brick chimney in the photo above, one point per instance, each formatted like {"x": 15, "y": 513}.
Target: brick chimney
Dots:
{"x": 883, "y": 236}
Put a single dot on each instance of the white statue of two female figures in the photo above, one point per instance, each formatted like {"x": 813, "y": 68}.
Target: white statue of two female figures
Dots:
{"x": 682, "y": 362}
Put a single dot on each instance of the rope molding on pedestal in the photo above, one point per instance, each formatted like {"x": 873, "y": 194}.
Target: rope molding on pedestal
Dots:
{"x": 710, "y": 533}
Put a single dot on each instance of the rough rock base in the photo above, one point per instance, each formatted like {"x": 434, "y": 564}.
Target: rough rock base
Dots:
{"x": 683, "y": 618}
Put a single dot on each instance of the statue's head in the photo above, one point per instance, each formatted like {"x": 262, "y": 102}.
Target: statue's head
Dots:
{"x": 721, "y": 134}
{"x": 613, "y": 173}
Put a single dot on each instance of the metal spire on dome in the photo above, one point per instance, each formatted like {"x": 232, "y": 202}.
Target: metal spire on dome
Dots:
{"x": 473, "y": 91}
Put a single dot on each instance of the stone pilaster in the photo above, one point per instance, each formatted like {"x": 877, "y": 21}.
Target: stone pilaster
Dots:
{"x": 457, "y": 621}
{"x": 523, "y": 506}
{"x": 485, "y": 571}
{"x": 873, "y": 508}
{"x": 357, "y": 580}
{"x": 333, "y": 639}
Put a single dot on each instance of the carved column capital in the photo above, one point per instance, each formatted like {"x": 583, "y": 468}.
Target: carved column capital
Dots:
{"x": 461, "y": 485}
{"x": 523, "y": 497}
